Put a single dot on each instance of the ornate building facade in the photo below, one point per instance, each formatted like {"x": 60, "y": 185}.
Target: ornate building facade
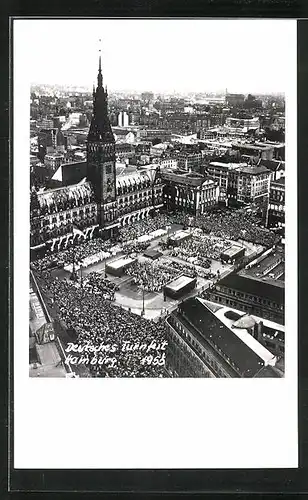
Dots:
{"x": 96, "y": 201}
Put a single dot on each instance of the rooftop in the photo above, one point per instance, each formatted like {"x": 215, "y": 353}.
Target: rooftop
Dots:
{"x": 235, "y": 314}
{"x": 269, "y": 266}
{"x": 187, "y": 178}
{"x": 252, "y": 169}
{"x": 71, "y": 172}
{"x": 214, "y": 332}
{"x": 280, "y": 181}
{"x": 117, "y": 264}
{"x": 255, "y": 287}
{"x": 245, "y": 145}
{"x": 241, "y": 328}
{"x": 179, "y": 283}
{"x": 272, "y": 165}
{"x": 232, "y": 250}
{"x": 136, "y": 178}
{"x": 54, "y": 196}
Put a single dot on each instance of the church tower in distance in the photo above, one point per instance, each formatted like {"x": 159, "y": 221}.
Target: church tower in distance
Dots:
{"x": 101, "y": 169}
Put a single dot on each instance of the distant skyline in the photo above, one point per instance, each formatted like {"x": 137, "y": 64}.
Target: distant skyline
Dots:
{"x": 159, "y": 55}
{"x": 58, "y": 88}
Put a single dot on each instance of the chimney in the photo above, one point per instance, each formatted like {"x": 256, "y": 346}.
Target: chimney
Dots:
{"x": 260, "y": 330}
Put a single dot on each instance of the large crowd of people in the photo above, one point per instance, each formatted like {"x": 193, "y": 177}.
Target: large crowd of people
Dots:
{"x": 201, "y": 250}
{"x": 151, "y": 276}
{"x": 134, "y": 247}
{"x": 99, "y": 322}
{"x": 235, "y": 225}
{"x": 96, "y": 283}
{"x": 147, "y": 226}
{"x": 76, "y": 253}
{"x": 225, "y": 223}
{"x": 188, "y": 269}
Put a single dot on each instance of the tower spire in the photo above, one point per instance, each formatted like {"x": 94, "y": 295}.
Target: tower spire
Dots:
{"x": 100, "y": 128}
{"x": 100, "y": 76}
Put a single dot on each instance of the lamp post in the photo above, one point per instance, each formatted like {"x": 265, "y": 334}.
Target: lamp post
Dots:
{"x": 73, "y": 275}
{"x": 105, "y": 262}
{"x": 81, "y": 286}
{"x": 143, "y": 311}
{"x": 168, "y": 230}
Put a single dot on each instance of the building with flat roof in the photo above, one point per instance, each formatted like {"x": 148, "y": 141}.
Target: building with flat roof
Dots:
{"x": 241, "y": 183}
{"x": 249, "y": 184}
{"x": 247, "y": 123}
{"x": 202, "y": 345}
{"x": 254, "y": 290}
{"x": 259, "y": 150}
{"x": 268, "y": 334}
{"x": 269, "y": 266}
{"x": 219, "y": 171}
{"x": 118, "y": 267}
{"x": 189, "y": 192}
{"x": 232, "y": 253}
{"x": 180, "y": 286}
{"x": 277, "y": 168}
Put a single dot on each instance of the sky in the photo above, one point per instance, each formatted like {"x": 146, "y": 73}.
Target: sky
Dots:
{"x": 161, "y": 55}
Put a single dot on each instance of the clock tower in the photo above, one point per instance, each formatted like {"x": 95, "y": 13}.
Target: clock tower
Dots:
{"x": 101, "y": 169}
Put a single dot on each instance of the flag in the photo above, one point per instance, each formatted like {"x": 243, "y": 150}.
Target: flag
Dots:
{"x": 77, "y": 231}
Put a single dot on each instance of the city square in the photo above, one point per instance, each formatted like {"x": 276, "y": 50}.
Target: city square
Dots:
{"x": 144, "y": 212}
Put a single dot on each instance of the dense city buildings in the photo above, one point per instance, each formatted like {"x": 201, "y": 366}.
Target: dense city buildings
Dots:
{"x": 157, "y": 231}
{"x": 276, "y": 207}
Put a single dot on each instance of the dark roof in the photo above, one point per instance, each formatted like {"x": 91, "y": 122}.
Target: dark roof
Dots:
{"x": 73, "y": 172}
{"x": 74, "y": 164}
{"x": 216, "y": 333}
{"x": 270, "y": 164}
{"x": 262, "y": 289}
{"x": 245, "y": 145}
{"x": 153, "y": 254}
{"x": 280, "y": 181}
{"x": 252, "y": 169}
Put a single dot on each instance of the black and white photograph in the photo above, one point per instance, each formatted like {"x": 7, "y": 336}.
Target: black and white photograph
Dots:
{"x": 158, "y": 203}
{"x": 157, "y": 217}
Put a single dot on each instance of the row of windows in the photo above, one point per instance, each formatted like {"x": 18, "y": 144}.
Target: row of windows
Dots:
{"x": 133, "y": 187}
{"x": 134, "y": 196}
{"x": 277, "y": 208}
{"x": 252, "y": 298}
{"x": 205, "y": 355}
{"x": 69, "y": 215}
{"x": 249, "y": 308}
{"x": 183, "y": 355}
